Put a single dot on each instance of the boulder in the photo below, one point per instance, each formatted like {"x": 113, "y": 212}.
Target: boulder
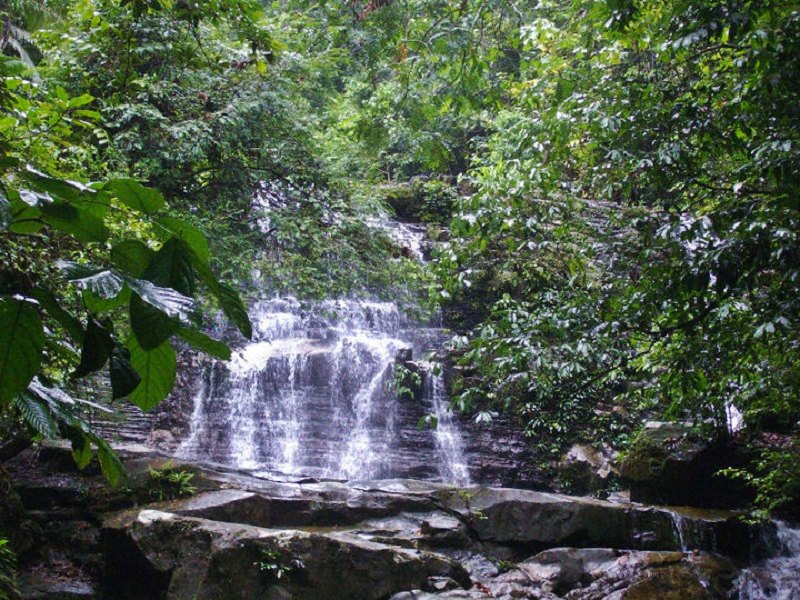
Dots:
{"x": 537, "y": 520}
{"x": 586, "y": 470}
{"x": 152, "y": 554}
{"x": 672, "y": 463}
{"x": 591, "y": 573}
{"x": 296, "y": 505}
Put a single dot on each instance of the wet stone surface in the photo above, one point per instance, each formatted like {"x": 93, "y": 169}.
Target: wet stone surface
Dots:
{"x": 246, "y": 536}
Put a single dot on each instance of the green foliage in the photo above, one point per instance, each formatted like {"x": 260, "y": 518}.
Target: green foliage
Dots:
{"x": 275, "y": 565}
{"x": 629, "y": 245}
{"x": 8, "y": 575}
{"x": 775, "y": 477}
{"x": 56, "y": 227}
{"x": 21, "y": 345}
{"x": 405, "y": 383}
{"x": 169, "y": 483}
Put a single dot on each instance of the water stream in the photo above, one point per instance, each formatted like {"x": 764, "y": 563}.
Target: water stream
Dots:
{"x": 777, "y": 578}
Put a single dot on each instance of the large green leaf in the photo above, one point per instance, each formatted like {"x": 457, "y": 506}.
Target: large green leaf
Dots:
{"x": 99, "y": 305}
{"x": 109, "y": 284}
{"x": 110, "y": 464}
{"x": 132, "y": 257}
{"x": 233, "y": 307}
{"x": 84, "y": 226}
{"x": 156, "y": 368}
{"x": 60, "y": 402}
{"x": 207, "y": 344}
{"x": 190, "y": 234}
{"x": 50, "y": 304}
{"x": 101, "y": 282}
{"x": 21, "y": 344}
{"x": 81, "y": 447}
{"x": 96, "y": 349}
{"x": 172, "y": 267}
{"x": 150, "y": 325}
{"x": 124, "y": 378}
{"x": 172, "y": 303}
{"x": 228, "y": 298}
{"x": 34, "y": 199}
{"x": 24, "y": 218}
{"x": 71, "y": 191}
{"x": 134, "y": 194}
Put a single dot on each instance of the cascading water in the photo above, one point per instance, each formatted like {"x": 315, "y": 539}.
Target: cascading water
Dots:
{"x": 447, "y": 434}
{"x": 311, "y": 394}
{"x": 777, "y": 578}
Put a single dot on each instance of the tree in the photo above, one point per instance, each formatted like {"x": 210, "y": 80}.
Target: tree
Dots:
{"x": 95, "y": 265}
{"x": 635, "y": 220}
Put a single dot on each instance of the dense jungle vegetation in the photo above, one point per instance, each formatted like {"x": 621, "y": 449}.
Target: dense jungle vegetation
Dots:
{"x": 614, "y": 186}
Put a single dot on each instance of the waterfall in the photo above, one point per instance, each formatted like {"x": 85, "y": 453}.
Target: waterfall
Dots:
{"x": 447, "y": 435}
{"x": 311, "y": 394}
{"x": 777, "y": 578}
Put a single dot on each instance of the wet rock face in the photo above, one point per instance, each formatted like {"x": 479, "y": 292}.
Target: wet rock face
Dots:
{"x": 247, "y": 536}
{"x": 624, "y": 574}
{"x": 670, "y": 463}
{"x": 602, "y": 573}
{"x": 586, "y": 470}
{"x": 499, "y": 455}
{"x": 530, "y": 520}
{"x": 184, "y": 557}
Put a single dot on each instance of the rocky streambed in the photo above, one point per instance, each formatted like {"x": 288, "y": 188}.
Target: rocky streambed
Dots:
{"x": 261, "y": 535}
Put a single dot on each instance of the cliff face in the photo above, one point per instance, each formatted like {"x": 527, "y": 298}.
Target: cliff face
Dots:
{"x": 495, "y": 453}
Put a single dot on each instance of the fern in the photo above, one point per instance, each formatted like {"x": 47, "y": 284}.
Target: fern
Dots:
{"x": 36, "y": 414}
{"x": 8, "y": 575}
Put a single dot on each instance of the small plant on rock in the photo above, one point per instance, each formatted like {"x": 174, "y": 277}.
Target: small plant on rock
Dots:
{"x": 275, "y": 565}
{"x": 168, "y": 483}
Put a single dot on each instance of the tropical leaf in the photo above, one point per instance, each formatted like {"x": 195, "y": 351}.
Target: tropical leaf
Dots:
{"x": 21, "y": 345}
{"x": 71, "y": 191}
{"x": 50, "y": 304}
{"x": 136, "y": 196}
{"x": 108, "y": 284}
{"x": 98, "y": 305}
{"x": 81, "y": 447}
{"x": 96, "y": 349}
{"x": 207, "y": 344}
{"x": 171, "y": 267}
{"x": 172, "y": 303}
{"x": 233, "y": 307}
{"x": 124, "y": 378}
{"x": 228, "y": 298}
{"x": 82, "y": 225}
{"x": 101, "y": 282}
{"x": 110, "y": 464}
{"x": 132, "y": 257}
{"x": 156, "y": 368}
{"x": 150, "y": 326}
{"x": 189, "y": 234}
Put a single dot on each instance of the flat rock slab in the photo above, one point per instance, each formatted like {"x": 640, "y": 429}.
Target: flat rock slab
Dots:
{"x": 538, "y": 519}
{"x": 150, "y": 553}
{"x": 295, "y": 505}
